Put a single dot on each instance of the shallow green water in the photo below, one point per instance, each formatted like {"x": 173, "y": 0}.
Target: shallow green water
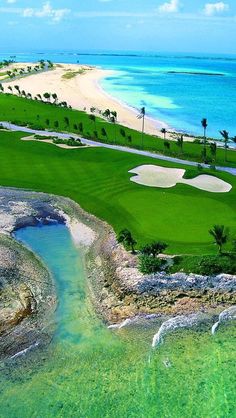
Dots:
{"x": 89, "y": 371}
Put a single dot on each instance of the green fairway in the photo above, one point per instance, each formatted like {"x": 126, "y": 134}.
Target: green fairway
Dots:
{"x": 99, "y": 181}
{"x": 39, "y": 115}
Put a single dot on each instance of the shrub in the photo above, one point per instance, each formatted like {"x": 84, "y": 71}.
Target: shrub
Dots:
{"x": 216, "y": 265}
{"x": 122, "y": 132}
{"x": 81, "y": 127}
{"x": 36, "y": 127}
{"x": 150, "y": 265}
{"x": 154, "y": 248}
{"x": 205, "y": 265}
{"x": 103, "y": 131}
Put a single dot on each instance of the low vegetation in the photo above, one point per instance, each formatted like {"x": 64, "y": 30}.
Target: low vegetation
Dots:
{"x": 72, "y": 74}
{"x": 15, "y": 73}
{"x": 205, "y": 265}
{"x": 150, "y": 262}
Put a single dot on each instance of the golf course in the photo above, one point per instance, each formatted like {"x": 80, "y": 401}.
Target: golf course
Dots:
{"x": 99, "y": 180}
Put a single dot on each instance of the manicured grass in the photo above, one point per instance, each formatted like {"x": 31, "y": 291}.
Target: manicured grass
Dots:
{"x": 19, "y": 110}
{"x": 99, "y": 181}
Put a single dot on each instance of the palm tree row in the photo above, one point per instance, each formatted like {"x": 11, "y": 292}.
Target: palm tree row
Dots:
{"x": 6, "y": 63}
{"x": 23, "y": 71}
{"x": 39, "y": 97}
{"x": 111, "y": 116}
{"x": 219, "y": 232}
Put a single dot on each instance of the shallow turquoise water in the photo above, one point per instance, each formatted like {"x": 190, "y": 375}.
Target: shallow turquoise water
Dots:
{"x": 89, "y": 371}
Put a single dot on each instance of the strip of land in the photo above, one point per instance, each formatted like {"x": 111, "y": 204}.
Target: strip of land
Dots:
{"x": 80, "y": 87}
{"x": 90, "y": 143}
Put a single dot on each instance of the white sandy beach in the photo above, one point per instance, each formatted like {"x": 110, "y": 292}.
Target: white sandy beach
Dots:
{"x": 83, "y": 91}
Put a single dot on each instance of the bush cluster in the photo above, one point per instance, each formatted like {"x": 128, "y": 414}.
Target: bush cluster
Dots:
{"x": 150, "y": 265}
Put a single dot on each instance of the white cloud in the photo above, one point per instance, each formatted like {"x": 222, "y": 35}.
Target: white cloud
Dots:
{"x": 170, "y": 7}
{"x": 11, "y": 1}
{"x": 212, "y": 9}
{"x": 47, "y": 11}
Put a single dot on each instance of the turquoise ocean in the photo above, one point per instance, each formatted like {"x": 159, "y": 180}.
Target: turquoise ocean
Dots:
{"x": 179, "y": 89}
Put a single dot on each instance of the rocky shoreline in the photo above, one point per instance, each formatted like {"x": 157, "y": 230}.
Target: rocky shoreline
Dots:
{"x": 117, "y": 289}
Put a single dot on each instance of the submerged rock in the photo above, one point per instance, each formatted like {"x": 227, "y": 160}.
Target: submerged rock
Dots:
{"x": 27, "y": 298}
{"x": 226, "y": 316}
{"x": 179, "y": 322}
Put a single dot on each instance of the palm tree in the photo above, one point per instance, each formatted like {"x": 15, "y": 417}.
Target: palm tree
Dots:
{"x": 18, "y": 89}
{"x": 47, "y": 96}
{"x": 220, "y": 235}
{"x": 113, "y": 120}
{"x": 142, "y": 116}
{"x": 1, "y": 88}
{"x": 114, "y": 114}
{"x": 125, "y": 237}
{"x": 54, "y": 96}
{"x": 225, "y": 135}
{"x": 107, "y": 113}
{"x": 204, "y": 125}
{"x": 163, "y": 131}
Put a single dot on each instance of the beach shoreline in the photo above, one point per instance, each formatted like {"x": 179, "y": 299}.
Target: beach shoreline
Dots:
{"x": 84, "y": 91}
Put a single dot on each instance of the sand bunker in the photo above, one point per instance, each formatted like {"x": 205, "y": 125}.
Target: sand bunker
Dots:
{"x": 156, "y": 176}
{"x": 50, "y": 141}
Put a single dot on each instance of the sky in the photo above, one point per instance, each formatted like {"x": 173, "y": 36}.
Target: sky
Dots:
{"x": 122, "y": 25}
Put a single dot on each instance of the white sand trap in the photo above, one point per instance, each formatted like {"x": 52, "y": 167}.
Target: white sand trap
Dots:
{"x": 50, "y": 141}
{"x": 156, "y": 176}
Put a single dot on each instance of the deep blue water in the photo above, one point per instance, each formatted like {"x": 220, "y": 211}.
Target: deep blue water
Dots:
{"x": 162, "y": 83}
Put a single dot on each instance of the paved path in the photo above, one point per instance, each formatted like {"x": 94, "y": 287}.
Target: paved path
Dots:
{"x": 114, "y": 147}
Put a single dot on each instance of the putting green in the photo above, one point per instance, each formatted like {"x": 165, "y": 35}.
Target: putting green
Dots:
{"x": 99, "y": 180}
